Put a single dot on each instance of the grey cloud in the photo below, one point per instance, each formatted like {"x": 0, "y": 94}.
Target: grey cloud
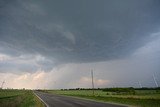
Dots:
{"x": 17, "y": 68}
{"x": 77, "y": 31}
{"x": 25, "y": 63}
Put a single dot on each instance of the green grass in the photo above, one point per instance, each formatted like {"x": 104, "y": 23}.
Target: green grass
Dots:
{"x": 141, "y": 98}
{"x": 19, "y": 98}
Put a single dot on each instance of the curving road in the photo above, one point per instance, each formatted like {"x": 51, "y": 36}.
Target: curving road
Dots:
{"x": 52, "y": 100}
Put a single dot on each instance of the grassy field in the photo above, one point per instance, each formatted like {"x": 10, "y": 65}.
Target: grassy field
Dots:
{"x": 141, "y": 98}
{"x": 19, "y": 98}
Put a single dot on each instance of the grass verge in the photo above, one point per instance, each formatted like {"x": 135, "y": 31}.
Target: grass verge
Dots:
{"x": 19, "y": 98}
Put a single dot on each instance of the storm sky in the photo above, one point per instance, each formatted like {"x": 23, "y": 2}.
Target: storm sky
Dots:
{"x": 55, "y": 43}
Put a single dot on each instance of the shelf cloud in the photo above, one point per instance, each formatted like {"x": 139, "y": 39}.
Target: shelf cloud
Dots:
{"x": 53, "y": 33}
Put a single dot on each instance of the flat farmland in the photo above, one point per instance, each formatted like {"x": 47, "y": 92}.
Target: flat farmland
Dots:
{"x": 140, "y": 98}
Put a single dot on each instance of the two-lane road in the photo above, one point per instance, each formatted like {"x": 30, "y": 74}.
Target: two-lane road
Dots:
{"x": 52, "y": 100}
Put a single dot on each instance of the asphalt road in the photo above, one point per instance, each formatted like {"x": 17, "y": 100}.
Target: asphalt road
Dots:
{"x": 52, "y": 100}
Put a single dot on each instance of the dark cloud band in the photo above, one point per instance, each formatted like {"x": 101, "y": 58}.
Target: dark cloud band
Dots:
{"x": 77, "y": 31}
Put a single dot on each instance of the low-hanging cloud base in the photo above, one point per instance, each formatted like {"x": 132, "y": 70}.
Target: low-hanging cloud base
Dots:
{"x": 57, "y": 43}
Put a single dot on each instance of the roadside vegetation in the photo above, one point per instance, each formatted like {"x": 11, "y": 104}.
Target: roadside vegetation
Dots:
{"x": 19, "y": 98}
{"x": 139, "y": 97}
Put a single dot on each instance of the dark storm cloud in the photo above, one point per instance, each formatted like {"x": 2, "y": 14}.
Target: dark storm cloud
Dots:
{"x": 77, "y": 31}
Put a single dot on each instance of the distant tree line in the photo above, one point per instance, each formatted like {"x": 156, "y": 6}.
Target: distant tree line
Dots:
{"x": 146, "y": 88}
{"x": 129, "y": 90}
{"x": 115, "y": 89}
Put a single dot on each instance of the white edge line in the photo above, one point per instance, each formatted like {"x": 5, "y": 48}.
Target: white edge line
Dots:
{"x": 41, "y": 100}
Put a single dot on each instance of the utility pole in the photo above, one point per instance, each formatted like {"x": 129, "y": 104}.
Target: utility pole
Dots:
{"x": 2, "y": 84}
{"x": 92, "y": 82}
{"x": 140, "y": 85}
{"x": 155, "y": 81}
